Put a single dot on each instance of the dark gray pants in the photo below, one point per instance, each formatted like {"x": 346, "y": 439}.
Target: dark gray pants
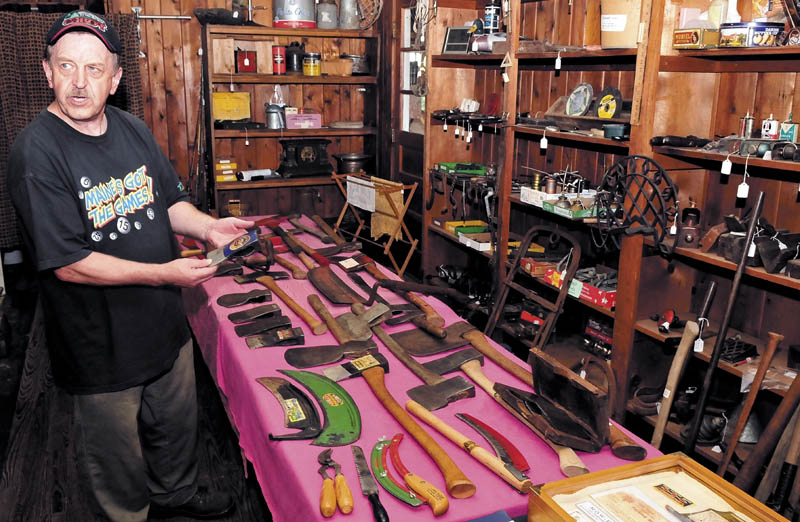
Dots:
{"x": 140, "y": 444}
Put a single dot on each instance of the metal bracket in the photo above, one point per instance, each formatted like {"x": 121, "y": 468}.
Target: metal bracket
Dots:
{"x": 137, "y": 13}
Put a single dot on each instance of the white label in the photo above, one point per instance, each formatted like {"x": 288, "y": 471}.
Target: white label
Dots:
{"x": 614, "y": 23}
{"x": 361, "y": 193}
{"x": 583, "y": 374}
{"x": 751, "y": 252}
{"x": 543, "y": 143}
{"x": 673, "y": 230}
{"x": 444, "y": 127}
{"x": 726, "y": 166}
{"x": 558, "y": 63}
{"x": 716, "y": 449}
{"x": 480, "y": 127}
{"x": 458, "y": 131}
{"x": 348, "y": 263}
{"x": 506, "y": 78}
{"x": 781, "y": 244}
{"x": 743, "y": 190}
{"x": 698, "y": 345}
{"x": 666, "y": 394}
{"x": 575, "y": 288}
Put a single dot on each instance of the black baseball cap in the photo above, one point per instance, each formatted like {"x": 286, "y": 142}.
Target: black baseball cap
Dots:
{"x": 83, "y": 20}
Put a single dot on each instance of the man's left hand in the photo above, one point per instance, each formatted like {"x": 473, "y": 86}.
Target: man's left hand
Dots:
{"x": 222, "y": 231}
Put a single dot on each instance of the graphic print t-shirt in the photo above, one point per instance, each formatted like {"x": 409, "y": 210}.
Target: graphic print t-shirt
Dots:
{"x": 78, "y": 194}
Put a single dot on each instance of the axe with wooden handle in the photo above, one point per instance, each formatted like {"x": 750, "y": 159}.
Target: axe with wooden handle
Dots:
{"x": 316, "y": 326}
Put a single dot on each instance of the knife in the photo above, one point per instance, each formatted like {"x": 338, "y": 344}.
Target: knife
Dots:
{"x": 368, "y": 485}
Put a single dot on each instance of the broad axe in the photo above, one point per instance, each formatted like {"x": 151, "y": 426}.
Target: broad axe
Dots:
{"x": 458, "y": 485}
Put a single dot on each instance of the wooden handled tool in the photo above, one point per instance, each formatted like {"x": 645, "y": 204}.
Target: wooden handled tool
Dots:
{"x": 426, "y": 491}
{"x": 336, "y": 329}
{"x": 479, "y": 341}
{"x": 477, "y": 452}
{"x": 780, "y": 500}
{"x": 316, "y": 326}
{"x": 192, "y": 252}
{"x": 684, "y": 350}
{"x": 458, "y": 485}
{"x": 431, "y": 315}
{"x": 623, "y": 446}
{"x": 750, "y": 400}
{"x": 751, "y": 470}
{"x": 337, "y": 239}
{"x": 297, "y": 272}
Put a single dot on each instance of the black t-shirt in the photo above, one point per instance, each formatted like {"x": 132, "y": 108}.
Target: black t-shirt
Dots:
{"x": 78, "y": 194}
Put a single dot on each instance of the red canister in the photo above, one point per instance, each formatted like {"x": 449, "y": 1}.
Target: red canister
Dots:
{"x": 279, "y": 59}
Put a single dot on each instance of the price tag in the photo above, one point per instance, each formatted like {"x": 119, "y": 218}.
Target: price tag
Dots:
{"x": 698, "y": 345}
{"x": 480, "y": 127}
{"x": 673, "y": 230}
{"x": 751, "y": 252}
{"x": 743, "y": 190}
{"x": 458, "y": 131}
{"x": 583, "y": 374}
{"x": 444, "y": 127}
{"x": 666, "y": 394}
{"x": 543, "y": 143}
{"x": 247, "y": 61}
{"x": 575, "y": 288}
{"x": 726, "y": 166}
{"x": 506, "y": 79}
{"x": 558, "y": 63}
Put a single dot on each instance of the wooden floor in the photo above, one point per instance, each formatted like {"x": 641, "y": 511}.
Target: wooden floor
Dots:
{"x": 40, "y": 480}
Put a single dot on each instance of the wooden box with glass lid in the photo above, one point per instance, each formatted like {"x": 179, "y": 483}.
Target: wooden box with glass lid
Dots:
{"x": 281, "y": 126}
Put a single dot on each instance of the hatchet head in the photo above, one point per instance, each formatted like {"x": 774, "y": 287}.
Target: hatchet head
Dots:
{"x": 435, "y": 396}
{"x": 454, "y": 361}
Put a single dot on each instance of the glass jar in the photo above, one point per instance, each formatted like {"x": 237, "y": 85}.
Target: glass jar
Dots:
{"x": 312, "y": 64}
{"x": 327, "y": 14}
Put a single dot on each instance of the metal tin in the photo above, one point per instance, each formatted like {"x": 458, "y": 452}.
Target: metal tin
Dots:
{"x": 491, "y": 17}
{"x": 749, "y": 34}
{"x": 278, "y": 59}
{"x": 294, "y": 57}
{"x": 327, "y": 14}
{"x": 297, "y": 14}
{"x": 746, "y": 126}
{"x": 360, "y": 63}
{"x": 695, "y": 38}
{"x": 770, "y": 128}
{"x": 348, "y": 15}
{"x": 311, "y": 64}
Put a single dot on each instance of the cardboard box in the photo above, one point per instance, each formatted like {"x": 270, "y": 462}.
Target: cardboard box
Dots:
{"x": 589, "y": 211}
{"x": 337, "y": 67}
{"x": 451, "y": 226}
{"x": 480, "y": 242}
{"x": 230, "y": 105}
{"x": 619, "y": 23}
{"x": 303, "y": 121}
{"x": 695, "y": 38}
{"x": 583, "y": 291}
{"x": 535, "y": 267}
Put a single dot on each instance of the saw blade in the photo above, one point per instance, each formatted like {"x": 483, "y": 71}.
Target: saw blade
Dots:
{"x": 579, "y": 100}
{"x": 609, "y": 103}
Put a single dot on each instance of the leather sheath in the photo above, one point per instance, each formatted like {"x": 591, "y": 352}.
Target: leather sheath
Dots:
{"x": 282, "y": 337}
{"x": 262, "y": 325}
{"x": 253, "y": 296}
{"x": 246, "y": 316}
{"x": 228, "y": 268}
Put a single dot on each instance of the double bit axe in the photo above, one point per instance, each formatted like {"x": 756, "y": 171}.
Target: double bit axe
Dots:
{"x": 457, "y": 484}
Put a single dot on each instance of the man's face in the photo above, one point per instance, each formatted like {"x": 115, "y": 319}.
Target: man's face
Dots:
{"x": 82, "y": 73}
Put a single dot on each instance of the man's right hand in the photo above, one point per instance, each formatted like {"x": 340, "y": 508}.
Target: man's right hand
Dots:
{"x": 188, "y": 272}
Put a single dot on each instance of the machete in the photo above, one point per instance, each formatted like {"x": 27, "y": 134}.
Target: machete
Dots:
{"x": 298, "y": 412}
{"x": 341, "y": 421}
{"x": 503, "y": 447}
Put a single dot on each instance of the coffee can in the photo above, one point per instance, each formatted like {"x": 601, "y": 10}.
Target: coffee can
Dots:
{"x": 278, "y": 59}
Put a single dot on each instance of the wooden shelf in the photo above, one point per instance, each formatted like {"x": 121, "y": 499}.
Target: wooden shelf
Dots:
{"x": 275, "y": 183}
{"x": 467, "y": 60}
{"x": 779, "y": 361}
{"x": 721, "y": 262}
{"x": 772, "y": 169}
{"x": 601, "y": 60}
{"x": 447, "y": 235}
{"x": 673, "y": 431}
{"x": 249, "y": 30}
{"x": 572, "y": 137}
{"x": 596, "y": 308}
{"x": 293, "y": 133}
{"x": 719, "y": 60}
{"x": 292, "y": 79}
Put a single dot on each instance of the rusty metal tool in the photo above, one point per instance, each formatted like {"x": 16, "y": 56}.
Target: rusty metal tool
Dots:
{"x": 325, "y": 227}
{"x": 298, "y": 411}
{"x": 334, "y": 492}
{"x": 750, "y": 399}
{"x": 480, "y": 454}
{"x": 437, "y": 392}
{"x": 310, "y": 356}
{"x": 368, "y": 485}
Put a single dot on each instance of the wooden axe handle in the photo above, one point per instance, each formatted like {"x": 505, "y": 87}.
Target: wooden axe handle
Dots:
{"x": 297, "y": 272}
{"x": 306, "y": 260}
{"x": 690, "y": 332}
{"x": 316, "y": 326}
{"x": 623, "y": 446}
{"x": 479, "y": 341}
{"x": 430, "y": 314}
{"x": 781, "y": 497}
{"x": 192, "y": 252}
{"x": 336, "y": 329}
{"x": 458, "y": 485}
{"x": 751, "y": 470}
{"x": 477, "y": 452}
{"x": 339, "y": 240}
{"x": 750, "y": 400}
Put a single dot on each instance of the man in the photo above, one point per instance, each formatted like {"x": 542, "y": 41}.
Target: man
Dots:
{"x": 100, "y": 204}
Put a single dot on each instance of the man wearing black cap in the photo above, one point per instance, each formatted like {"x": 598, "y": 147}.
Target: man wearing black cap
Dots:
{"x": 100, "y": 204}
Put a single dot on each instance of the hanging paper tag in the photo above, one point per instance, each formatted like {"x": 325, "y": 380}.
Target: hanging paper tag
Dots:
{"x": 480, "y": 127}
{"x": 751, "y": 252}
{"x": 743, "y": 190}
{"x": 583, "y": 374}
{"x": 247, "y": 61}
{"x": 666, "y": 394}
{"x": 543, "y": 143}
{"x": 558, "y": 63}
{"x": 444, "y": 127}
{"x": 726, "y": 166}
{"x": 698, "y": 345}
{"x": 506, "y": 79}
{"x": 458, "y": 131}
{"x": 781, "y": 244}
{"x": 673, "y": 230}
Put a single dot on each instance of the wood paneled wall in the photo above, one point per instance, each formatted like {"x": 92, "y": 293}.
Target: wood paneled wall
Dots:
{"x": 172, "y": 71}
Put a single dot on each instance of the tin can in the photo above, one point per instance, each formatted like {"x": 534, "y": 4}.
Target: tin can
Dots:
{"x": 279, "y": 59}
{"x": 296, "y": 14}
{"x": 769, "y": 129}
{"x": 746, "y": 126}
{"x": 311, "y": 64}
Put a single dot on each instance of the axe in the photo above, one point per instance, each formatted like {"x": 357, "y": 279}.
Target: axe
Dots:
{"x": 316, "y": 326}
{"x": 437, "y": 392}
{"x": 294, "y": 219}
{"x": 470, "y": 361}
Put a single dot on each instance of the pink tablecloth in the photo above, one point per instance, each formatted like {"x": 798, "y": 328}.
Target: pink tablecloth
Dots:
{"x": 287, "y": 470}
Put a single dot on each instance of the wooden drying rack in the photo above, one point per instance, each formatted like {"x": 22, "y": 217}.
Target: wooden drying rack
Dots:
{"x": 381, "y": 191}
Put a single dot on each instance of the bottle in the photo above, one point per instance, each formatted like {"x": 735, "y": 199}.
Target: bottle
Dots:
{"x": 718, "y": 12}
